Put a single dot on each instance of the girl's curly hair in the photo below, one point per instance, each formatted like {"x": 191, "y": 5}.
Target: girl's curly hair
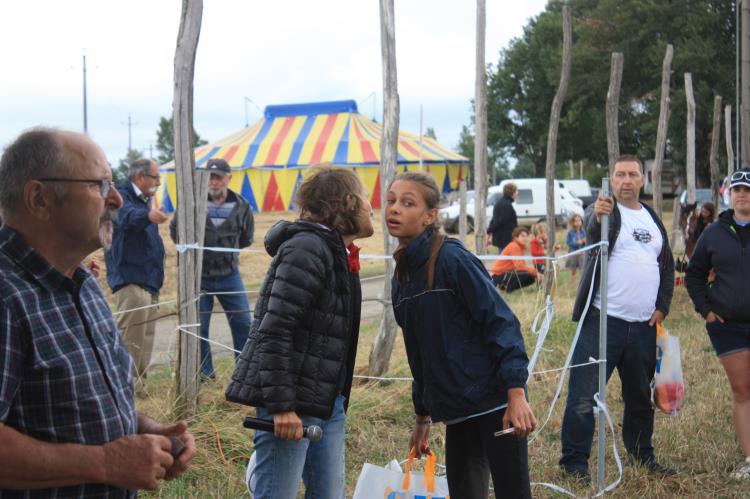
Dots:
{"x": 332, "y": 196}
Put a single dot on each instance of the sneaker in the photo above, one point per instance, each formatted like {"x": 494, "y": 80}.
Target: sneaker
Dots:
{"x": 580, "y": 475}
{"x": 653, "y": 466}
{"x": 742, "y": 472}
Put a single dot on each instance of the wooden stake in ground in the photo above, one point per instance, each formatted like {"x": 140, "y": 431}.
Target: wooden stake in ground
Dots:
{"x": 480, "y": 137}
{"x": 382, "y": 347}
{"x": 462, "y": 209}
{"x": 661, "y": 132}
{"x": 714, "y": 158}
{"x": 728, "y": 138}
{"x": 191, "y": 186}
{"x": 690, "y": 144}
{"x": 613, "y": 101}
{"x": 744, "y": 152}
{"x": 554, "y": 123}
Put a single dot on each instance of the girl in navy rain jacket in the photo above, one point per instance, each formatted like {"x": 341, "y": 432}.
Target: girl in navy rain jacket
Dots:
{"x": 464, "y": 347}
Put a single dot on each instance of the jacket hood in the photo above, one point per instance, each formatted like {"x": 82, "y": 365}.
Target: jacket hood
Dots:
{"x": 726, "y": 217}
{"x": 284, "y": 230}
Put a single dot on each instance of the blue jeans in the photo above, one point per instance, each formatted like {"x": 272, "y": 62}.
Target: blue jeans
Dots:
{"x": 631, "y": 347}
{"x": 280, "y": 464}
{"x": 237, "y": 308}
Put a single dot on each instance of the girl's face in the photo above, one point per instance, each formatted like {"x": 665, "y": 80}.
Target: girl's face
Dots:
{"x": 407, "y": 214}
{"x": 705, "y": 213}
{"x": 577, "y": 222}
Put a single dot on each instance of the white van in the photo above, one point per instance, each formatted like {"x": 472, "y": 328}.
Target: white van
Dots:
{"x": 530, "y": 204}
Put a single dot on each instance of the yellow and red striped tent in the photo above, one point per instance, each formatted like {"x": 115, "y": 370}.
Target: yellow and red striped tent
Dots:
{"x": 270, "y": 158}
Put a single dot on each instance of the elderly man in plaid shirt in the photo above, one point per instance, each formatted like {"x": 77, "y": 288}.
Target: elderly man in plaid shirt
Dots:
{"x": 68, "y": 424}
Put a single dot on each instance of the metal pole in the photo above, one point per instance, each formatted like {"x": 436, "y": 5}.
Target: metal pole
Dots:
{"x": 420, "y": 138}
{"x": 603, "y": 341}
{"x": 85, "y": 111}
{"x": 737, "y": 86}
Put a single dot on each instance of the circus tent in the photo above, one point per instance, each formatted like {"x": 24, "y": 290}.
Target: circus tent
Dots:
{"x": 270, "y": 158}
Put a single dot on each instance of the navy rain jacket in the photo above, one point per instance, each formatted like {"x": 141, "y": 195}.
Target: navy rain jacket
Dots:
{"x": 463, "y": 343}
{"x": 137, "y": 252}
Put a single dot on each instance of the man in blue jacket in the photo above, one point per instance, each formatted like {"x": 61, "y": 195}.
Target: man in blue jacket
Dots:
{"x": 135, "y": 264}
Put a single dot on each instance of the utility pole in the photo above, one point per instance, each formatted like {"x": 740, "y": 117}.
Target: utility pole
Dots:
{"x": 130, "y": 135}
{"x": 85, "y": 111}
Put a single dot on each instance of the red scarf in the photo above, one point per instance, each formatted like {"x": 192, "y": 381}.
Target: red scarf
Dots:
{"x": 354, "y": 265}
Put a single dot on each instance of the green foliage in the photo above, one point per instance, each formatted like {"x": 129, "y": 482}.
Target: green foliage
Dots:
{"x": 430, "y": 133}
{"x": 523, "y": 84}
{"x": 165, "y": 140}
{"x": 121, "y": 174}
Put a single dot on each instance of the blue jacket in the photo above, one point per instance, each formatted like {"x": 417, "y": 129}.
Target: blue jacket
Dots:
{"x": 720, "y": 248}
{"x": 463, "y": 343}
{"x": 137, "y": 252}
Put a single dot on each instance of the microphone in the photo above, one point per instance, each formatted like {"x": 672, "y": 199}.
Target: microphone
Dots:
{"x": 313, "y": 433}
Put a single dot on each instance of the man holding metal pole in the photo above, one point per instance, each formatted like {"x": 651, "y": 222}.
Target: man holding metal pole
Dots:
{"x": 639, "y": 291}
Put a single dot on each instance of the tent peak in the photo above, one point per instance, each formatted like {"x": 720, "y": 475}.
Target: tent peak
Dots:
{"x": 311, "y": 109}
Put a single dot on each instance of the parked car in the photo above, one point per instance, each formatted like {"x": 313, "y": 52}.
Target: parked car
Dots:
{"x": 581, "y": 189}
{"x": 702, "y": 196}
{"x": 530, "y": 205}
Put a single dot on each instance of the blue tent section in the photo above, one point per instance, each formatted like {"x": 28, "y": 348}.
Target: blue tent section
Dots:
{"x": 447, "y": 182}
{"x": 166, "y": 203}
{"x": 247, "y": 193}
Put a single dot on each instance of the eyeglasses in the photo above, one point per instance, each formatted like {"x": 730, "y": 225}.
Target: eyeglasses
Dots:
{"x": 155, "y": 177}
{"x": 105, "y": 185}
{"x": 741, "y": 175}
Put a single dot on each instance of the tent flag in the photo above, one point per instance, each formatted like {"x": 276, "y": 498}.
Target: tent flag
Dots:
{"x": 270, "y": 158}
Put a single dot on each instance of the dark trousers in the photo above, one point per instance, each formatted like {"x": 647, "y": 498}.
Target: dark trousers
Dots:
{"x": 473, "y": 452}
{"x": 631, "y": 347}
{"x": 513, "y": 280}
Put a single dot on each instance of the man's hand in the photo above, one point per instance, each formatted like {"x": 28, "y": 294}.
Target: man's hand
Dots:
{"x": 137, "y": 461}
{"x": 94, "y": 266}
{"x": 656, "y": 317}
{"x": 519, "y": 414}
{"x": 179, "y": 436}
{"x": 539, "y": 276}
{"x": 603, "y": 206}
{"x": 157, "y": 216}
{"x": 712, "y": 317}
{"x": 287, "y": 426}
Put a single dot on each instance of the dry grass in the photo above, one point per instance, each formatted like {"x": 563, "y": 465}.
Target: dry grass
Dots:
{"x": 699, "y": 442}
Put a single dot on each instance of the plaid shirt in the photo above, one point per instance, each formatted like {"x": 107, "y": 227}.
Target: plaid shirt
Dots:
{"x": 64, "y": 370}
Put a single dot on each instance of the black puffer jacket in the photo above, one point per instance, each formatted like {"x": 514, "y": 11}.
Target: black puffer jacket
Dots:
{"x": 301, "y": 350}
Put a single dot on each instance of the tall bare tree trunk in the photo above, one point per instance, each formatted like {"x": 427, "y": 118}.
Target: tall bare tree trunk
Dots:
{"x": 613, "y": 101}
{"x": 714, "y": 158}
{"x": 661, "y": 132}
{"x": 380, "y": 356}
{"x": 480, "y": 138}
{"x": 744, "y": 152}
{"x": 554, "y": 123}
{"x": 690, "y": 144}
{"x": 728, "y": 138}
{"x": 462, "y": 209}
{"x": 191, "y": 186}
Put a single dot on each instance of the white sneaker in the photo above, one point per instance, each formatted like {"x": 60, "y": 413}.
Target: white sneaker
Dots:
{"x": 742, "y": 472}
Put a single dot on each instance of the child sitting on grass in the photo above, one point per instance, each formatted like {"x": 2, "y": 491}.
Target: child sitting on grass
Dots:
{"x": 510, "y": 275}
{"x": 538, "y": 245}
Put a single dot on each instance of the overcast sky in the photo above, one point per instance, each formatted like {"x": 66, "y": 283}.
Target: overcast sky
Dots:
{"x": 270, "y": 52}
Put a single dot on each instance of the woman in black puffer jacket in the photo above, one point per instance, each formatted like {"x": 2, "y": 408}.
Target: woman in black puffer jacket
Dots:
{"x": 298, "y": 362}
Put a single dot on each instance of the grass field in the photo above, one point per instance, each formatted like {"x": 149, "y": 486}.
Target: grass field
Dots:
{"x": 699, "y": 442}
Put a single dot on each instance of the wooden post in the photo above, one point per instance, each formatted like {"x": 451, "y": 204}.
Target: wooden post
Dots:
{"x": 676, "y": 227}
{"x": 191, "y": 186}
{"x": 661, "y": 132}
{"x": 382, "y": 347}
{"x": 480, "y": 138}
{"x": 728, "y": 139}
{"x": 714, "y": 158}
{"x": 690, "y": 144}
{"x": 462, "y": 209}
{"x": 744, "y": 149}
{"x": 554, "y": 123}
{"x": 613, "y": 101}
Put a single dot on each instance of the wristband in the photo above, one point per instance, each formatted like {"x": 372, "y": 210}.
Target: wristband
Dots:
{"x": 424, "y": 421}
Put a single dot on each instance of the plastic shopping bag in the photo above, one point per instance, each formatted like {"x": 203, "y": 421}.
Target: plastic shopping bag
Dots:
{"x": 668, "y": 386}
{"x": 377, "y": 482}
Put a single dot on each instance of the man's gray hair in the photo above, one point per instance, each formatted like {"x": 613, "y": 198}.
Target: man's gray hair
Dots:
{"x": 142, "y": 165}
{"x": 36, "y": 153}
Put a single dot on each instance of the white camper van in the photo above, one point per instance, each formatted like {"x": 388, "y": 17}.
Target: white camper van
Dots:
{"x": 530, "y": 205}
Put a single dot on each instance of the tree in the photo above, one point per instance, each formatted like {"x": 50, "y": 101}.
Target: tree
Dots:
{"x": 165, "y": 140}
{"x": 522, "y": 84}
{"x": 121, "y": 174}
{"x": 430, "y": 133}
